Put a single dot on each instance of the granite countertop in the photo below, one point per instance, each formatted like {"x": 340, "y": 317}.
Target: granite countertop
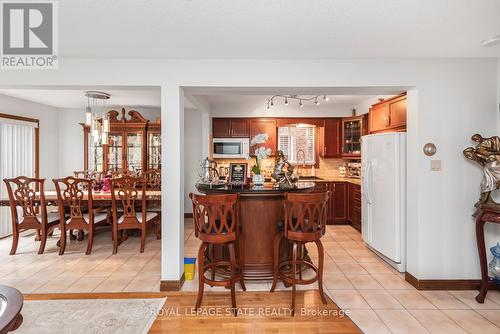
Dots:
{"x": 352, "y": 180}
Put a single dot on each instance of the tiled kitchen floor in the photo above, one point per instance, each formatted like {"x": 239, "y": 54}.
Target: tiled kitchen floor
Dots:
{"x": 127, "y": 271}
{"x": 378, "y": 297}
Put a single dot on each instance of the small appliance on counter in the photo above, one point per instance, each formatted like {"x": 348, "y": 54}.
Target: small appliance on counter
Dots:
{"x": 209, "y": 175}
{"x": 354, "y": 170}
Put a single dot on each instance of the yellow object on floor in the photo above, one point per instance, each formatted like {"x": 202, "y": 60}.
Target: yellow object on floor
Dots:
{"x": 189, "y": 267}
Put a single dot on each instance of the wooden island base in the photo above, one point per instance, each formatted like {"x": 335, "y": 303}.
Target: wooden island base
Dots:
{"x": 261, "y": 210}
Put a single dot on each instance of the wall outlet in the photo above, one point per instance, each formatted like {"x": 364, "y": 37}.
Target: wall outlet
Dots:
{"x": 435, "y": 165}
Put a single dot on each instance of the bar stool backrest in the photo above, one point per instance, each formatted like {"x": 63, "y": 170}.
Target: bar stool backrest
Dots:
{"x": 215, "y": 217}
{"x": 305, "y": 216}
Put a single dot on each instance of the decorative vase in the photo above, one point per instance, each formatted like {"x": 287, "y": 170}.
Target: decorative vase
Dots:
{"x": 495, "y": 263}
{"x": 258, "y": 179}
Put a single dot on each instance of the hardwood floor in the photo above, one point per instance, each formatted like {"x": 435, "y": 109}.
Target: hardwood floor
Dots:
{"x": 259, "y": 312}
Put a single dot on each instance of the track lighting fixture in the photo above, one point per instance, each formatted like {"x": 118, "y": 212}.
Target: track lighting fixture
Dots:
{"x": 302, "y": 99}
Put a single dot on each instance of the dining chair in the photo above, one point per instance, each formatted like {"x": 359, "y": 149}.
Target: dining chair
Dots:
{"x": 305, "y": 222}
{"x": 72, "y": 193}
{"x": 152, "y": 178}
{"x": 125, "y": 193}
{"x": 216, "y": 223}
{"x": 22, "y": 193}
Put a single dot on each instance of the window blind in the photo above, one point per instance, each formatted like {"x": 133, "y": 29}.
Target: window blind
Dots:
{"x": 298, "y": 143}
{"x": 17, "y": 157}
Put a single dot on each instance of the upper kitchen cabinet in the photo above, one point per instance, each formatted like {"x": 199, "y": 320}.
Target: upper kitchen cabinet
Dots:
{"x": 389, "y": 115}
{"x": 330, "y": 138}
{"x": 264, "y": 125}
{"x": 230, "y": 128}
{"x": 352, "y": 130}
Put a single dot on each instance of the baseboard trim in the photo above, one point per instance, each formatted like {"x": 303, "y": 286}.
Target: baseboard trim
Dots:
{"x": 443, "y": 284}
{"x": 188, "y": 215}
{"x": 172, "y": 285}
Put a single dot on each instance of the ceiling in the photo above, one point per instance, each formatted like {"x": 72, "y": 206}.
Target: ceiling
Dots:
{"x": 75, "y": 98}
{"x": 334, "y": 100}
{"x": 278, "y": 29}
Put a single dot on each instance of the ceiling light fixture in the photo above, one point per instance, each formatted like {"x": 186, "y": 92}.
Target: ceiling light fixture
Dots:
{"x": 491, "y": 41}
{"x": 99, "y": 127}
{"x": 301, "y": 99}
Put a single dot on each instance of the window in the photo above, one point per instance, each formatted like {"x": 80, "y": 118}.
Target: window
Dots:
{"x": 298, "y": 143}
{"x": 18, "y": 156}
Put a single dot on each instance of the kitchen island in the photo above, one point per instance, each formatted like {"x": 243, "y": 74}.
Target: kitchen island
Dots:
{"x": 261, "y": 208}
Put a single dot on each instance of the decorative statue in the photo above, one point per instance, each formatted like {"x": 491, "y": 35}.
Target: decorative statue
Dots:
{"x": 487, "y": 154}
{"x": 284, "y": 180}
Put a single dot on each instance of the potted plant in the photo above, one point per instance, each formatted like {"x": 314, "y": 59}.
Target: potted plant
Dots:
{"x": 260, "y": 153}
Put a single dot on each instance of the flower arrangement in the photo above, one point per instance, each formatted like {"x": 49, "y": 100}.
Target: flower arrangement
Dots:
{"x": 261, "y": 152}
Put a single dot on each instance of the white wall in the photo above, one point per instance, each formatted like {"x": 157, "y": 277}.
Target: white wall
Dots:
{"x": 71, "y": 134}
{"x": 455, "y": 98}
{"x": 49, "y": 132}
{"x": 193, "y": 144}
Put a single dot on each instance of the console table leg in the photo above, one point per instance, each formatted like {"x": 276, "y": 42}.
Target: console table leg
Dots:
{"x": 482, "y": 258}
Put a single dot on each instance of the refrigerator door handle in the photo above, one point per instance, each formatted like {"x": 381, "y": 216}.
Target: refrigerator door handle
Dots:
{"x": 367, "y": 182}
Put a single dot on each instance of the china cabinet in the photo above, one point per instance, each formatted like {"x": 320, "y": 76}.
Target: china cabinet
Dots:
{"x": 133, "y": 144}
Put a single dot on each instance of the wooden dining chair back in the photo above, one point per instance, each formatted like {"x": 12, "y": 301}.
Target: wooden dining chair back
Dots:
{"x": 152, "y": 179}
{"x": 22, "y": 193}
{"x": 305, "y": 216}
{"x": 304, "y": 221}
{"x": 216, "y": 220}
{"x": 75, "y": 194}
{"x": 127, "y": 194}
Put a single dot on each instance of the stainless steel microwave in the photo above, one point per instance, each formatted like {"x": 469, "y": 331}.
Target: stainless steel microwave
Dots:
{"x": 231, "y": 148}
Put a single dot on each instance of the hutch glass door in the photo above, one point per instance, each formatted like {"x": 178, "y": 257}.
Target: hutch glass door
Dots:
{"x": 115, "y": 152}
{"x": 154, "y": 154}
{"x": 134, "y": 151}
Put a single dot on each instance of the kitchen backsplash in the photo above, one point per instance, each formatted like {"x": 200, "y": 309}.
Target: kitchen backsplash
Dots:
{"x": 327, "y": 167}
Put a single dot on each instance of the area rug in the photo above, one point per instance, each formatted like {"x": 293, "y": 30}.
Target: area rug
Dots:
{"x": 90, "y": 316}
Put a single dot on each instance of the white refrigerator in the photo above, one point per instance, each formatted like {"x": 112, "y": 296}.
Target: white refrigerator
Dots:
{"x": 383, "y": 196}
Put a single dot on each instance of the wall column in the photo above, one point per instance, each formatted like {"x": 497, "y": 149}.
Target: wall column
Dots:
{"x": 172, "y": 244}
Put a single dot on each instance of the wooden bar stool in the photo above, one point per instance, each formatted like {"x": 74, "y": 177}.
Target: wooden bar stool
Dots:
{"x": 216, "y": 224}
{"x": 305, "y": 221}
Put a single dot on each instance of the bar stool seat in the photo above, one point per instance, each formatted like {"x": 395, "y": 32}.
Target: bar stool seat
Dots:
{"x": 216, "y": 224}
{"x": 305, "y": 222}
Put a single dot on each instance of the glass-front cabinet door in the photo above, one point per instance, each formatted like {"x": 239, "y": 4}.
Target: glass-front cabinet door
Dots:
{"x": 115, "y": 152}
{"x": 351, "y": 137}
{"x": 134, "y": 151}
{"x": 94, "y": 155}
{"x": 154, "y": 151}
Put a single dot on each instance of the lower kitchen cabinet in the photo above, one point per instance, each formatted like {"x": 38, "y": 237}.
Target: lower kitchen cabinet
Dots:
{"x": 354, "y": 205}
{"x": 344, "y": 206}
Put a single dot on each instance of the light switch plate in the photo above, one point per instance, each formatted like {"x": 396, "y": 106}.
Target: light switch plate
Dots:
{"x": 435, "y": 165}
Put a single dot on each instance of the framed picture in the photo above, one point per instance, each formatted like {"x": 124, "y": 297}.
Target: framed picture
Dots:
{"x": 238, "y": 173}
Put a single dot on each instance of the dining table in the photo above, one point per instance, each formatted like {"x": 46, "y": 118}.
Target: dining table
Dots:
{"x": 99, "y": 198}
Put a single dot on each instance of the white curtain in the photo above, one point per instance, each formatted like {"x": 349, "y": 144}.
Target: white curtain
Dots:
{"x": 17, "y": 157}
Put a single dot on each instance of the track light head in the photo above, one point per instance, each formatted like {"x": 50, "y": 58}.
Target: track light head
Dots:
{"x": 286, "y": 101}
{"x": 316, "y": 102}
{"x": 326, "y": 98}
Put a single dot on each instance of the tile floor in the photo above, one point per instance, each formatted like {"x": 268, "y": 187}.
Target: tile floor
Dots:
{"x": 378, "y": 298}
{"x": 127, "y": 271}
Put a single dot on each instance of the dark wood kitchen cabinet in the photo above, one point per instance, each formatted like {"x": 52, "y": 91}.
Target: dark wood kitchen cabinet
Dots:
{"x": 330, "y": 138}
{"x": 337, "y": 205}
{"x": 230, "y": 128}
{"x": 389, "y": 115}
{"x": 354, "y": 205}
{"x": 340, "y": 205}
{"x": 264, "y": 125}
